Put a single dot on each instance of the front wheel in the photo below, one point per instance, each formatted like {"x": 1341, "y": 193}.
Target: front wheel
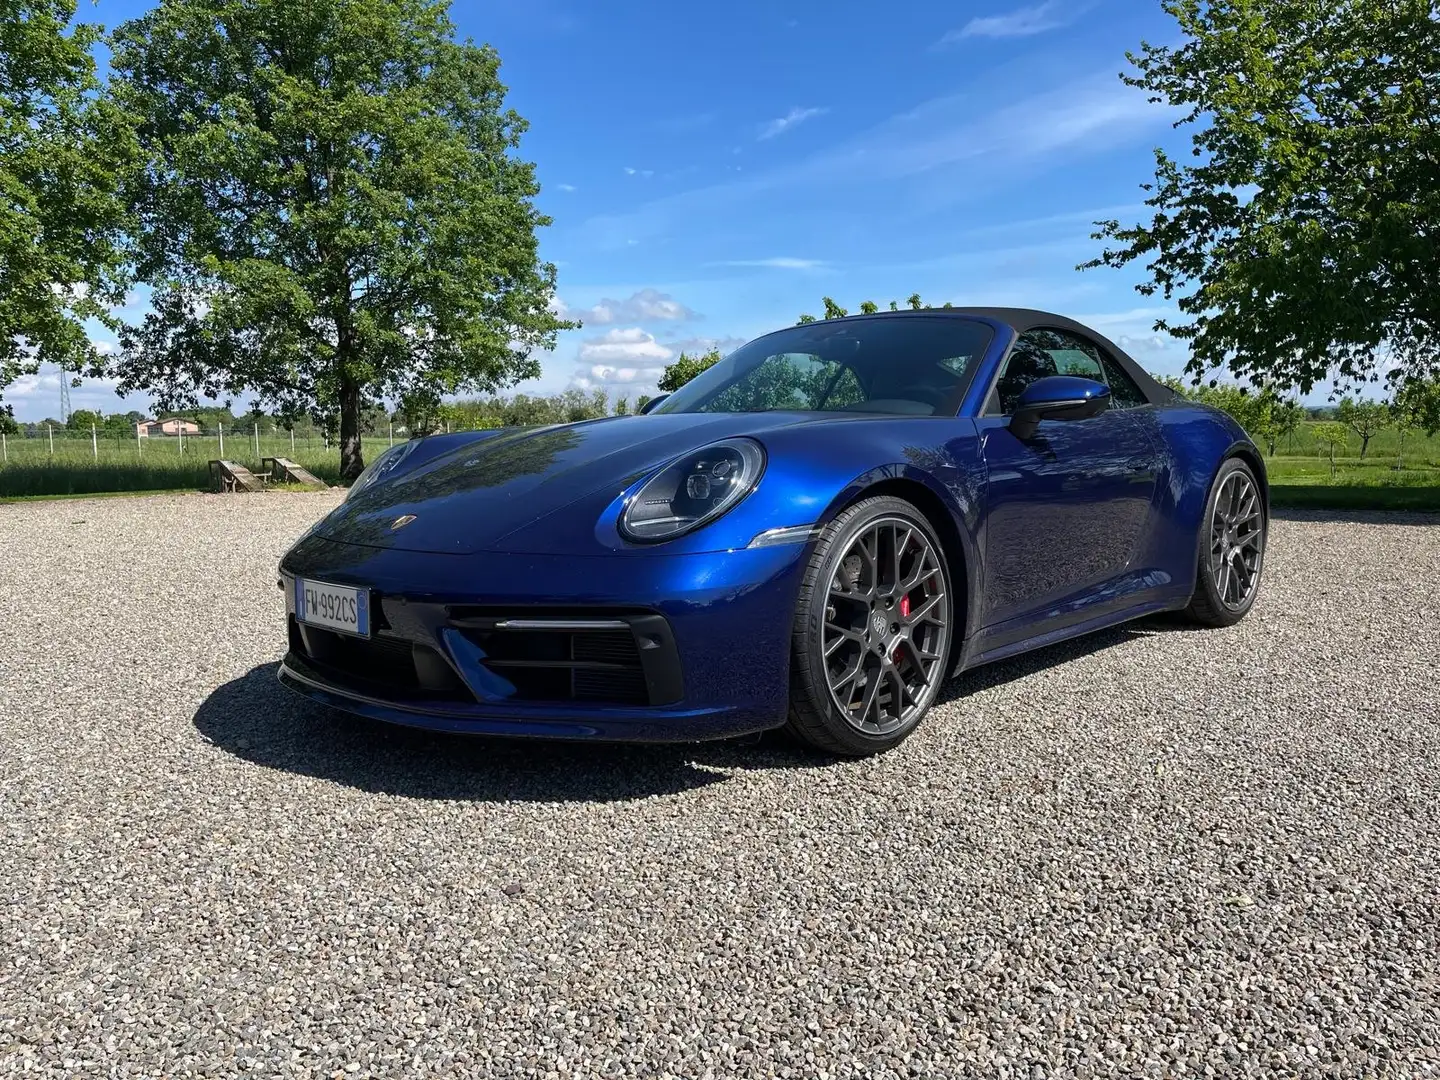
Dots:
{"x": 1232, "y": 548}
{"x": 872, "y": 630}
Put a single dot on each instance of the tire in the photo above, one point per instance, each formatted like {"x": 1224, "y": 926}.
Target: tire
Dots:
{"x": 887, "y": 624}
{"x": 1233, "y": 530}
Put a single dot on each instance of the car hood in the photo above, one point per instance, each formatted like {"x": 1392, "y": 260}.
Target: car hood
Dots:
{"x": 471, "y": 497}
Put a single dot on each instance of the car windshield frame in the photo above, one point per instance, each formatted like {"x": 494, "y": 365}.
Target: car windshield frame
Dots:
{"x": 862, "y": 347}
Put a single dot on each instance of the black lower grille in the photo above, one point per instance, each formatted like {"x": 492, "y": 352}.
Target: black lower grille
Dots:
{"x": 385, "y": 667}
{"x": 566, "y": 665}
{"x": 612, "y": 657}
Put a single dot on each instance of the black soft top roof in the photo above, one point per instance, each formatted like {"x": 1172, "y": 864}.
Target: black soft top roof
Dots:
{"x": 1023, "y": 319}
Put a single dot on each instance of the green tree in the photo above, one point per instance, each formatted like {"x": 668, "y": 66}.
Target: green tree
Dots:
{"x": 1331, "y": 433}
{"x": 330, "y": 209}
{"x": 685, "y": 368}
{"x": 1286, "y": 416}
{"x": 1303, "y": 235}
{"x": 622, "y": 407}
{"x": 118, "y": 426}
{"x": 1250, "y": 409}
{"x": 83, "y": 419}
{"x": 1419, "y": 401}
{"x": 63, "y": 153}
{"x": 1364, "y": 418}
{"x": 8, "y": 426}
{"x": 867, "y": 307}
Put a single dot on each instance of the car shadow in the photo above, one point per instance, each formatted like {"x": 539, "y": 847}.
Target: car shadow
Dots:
{"x": 1001, "y": 672}
{"x": 256, "y": 719}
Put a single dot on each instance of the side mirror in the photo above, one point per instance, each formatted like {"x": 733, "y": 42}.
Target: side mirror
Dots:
{"x": 1057, "y": 397}
{"x": 651, "y": 404}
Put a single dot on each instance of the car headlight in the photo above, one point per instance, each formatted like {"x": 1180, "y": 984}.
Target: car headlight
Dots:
{"x": 693, "y": 491}
{"x": 384, "y": 463}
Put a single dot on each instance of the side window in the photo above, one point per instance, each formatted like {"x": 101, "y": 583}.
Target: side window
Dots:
{"x": 1026, "y": 363}
{"x": 1038, "y": 353}
{"x": 1125, "y": 393}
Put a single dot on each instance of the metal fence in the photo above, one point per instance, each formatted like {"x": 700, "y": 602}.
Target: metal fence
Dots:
{"x": 99, "y": 446}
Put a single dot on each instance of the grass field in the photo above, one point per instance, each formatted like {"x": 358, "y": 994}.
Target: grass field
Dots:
{"x": 1300, "y": 473}
{"x": 76, "y": 467}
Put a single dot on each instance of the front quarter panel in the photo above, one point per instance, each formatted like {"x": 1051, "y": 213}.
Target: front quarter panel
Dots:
{"x": 1195, "y": 440}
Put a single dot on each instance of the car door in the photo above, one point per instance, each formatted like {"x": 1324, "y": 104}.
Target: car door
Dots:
{"x": 1066, "y": 508}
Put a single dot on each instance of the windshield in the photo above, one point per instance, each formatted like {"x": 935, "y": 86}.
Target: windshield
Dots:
{"x": 910, "y": 365}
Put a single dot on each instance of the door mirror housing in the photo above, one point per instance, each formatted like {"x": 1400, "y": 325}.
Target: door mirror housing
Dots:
{"x": 652, "y": 403}
{"x": 1057, "y": 397}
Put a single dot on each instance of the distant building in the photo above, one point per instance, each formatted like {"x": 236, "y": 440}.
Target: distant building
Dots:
{"x": 173, "y": 425}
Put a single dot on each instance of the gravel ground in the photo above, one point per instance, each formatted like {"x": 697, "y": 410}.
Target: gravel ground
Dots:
{"x": 1155, "y": 852}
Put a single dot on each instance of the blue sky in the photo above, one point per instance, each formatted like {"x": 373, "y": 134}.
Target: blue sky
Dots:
{"x": 713, "y": 171}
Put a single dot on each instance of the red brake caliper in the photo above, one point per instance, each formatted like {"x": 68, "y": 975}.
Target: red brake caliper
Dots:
{"x": 904, "y": 614}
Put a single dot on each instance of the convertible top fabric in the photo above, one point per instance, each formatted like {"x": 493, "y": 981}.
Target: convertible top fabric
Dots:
{"x": 1023, "y": 319}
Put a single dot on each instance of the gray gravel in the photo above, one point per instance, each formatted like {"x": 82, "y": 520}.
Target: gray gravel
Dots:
{"x": 1156, "y": 852}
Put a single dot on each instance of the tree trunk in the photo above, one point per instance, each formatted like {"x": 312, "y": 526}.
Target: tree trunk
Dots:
{"x": 351, "y": 462}
{"x": 1364, "y": 444}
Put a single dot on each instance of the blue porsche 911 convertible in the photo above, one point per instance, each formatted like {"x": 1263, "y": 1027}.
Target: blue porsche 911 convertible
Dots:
{"x": 815, "y": 533}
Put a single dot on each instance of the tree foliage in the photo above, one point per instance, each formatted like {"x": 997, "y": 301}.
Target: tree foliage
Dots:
{"x": 1304, "y": 238}
{"x": 1331, "y": 434}
{"x": 8, "y": 425}
{"x": 1364, "y": 418}
{"x": 868, "y": 307}
{"x": 1416, "y": 403}
{"x": 519, "y": 410}
{"x": 685, "y": 368}
{"x": 330, "y": 210}
{"x": 63, "y": 152}
{"x": 84, "y": 420}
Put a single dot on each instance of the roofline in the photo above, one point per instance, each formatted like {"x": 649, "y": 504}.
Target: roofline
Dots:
{"x": 1019, "y": 320}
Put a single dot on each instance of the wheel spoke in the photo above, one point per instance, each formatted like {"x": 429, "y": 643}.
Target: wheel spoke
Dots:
{"x": 921, "y": 613}
{"x": 872, "y": 694}
{"x": 918, "y": 657}
{"x": 898, "y": 554}
{"x": 843, "y": 636}
{"x": 897, "y": 691}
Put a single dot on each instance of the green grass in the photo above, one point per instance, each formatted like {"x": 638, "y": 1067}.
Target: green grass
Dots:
{"x": 1372, "y": 483}
{"x": 117, "y": 466}
{"x": 76, "y": 467}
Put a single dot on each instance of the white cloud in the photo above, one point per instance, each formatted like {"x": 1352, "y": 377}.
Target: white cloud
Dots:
{"x": 779, "y": 262}
{"x": 622, "y": 347}
{"x": 639, "y": 172}
{"x": 1151, "y": 342}
{"x": 37, "y": 397}
{"x": 645, "y": 305}
{"x": 781, "y": 124}
{"x": 629, "y": 358}
{"x": 632, "y": 361}
{"x": 1022, "y": 22}
{"x": 567, "y": 187}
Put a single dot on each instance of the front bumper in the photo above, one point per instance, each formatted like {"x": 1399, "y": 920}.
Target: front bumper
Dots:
{"x": 707, "y": 655}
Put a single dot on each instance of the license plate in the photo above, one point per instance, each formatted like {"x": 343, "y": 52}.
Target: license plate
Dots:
{"x": 335, "y": 607}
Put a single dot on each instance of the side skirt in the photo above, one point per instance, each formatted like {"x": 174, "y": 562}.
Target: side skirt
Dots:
{"x": 1054, "y": 637}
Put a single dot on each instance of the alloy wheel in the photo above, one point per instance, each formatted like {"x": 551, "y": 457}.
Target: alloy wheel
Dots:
{"x": 1237, "y": 540}
{"x": 887, "y": 626}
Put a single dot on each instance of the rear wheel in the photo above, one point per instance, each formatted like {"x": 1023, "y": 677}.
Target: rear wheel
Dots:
{"x": 1232, "y": 548}
{"x": 872, "y": 630}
